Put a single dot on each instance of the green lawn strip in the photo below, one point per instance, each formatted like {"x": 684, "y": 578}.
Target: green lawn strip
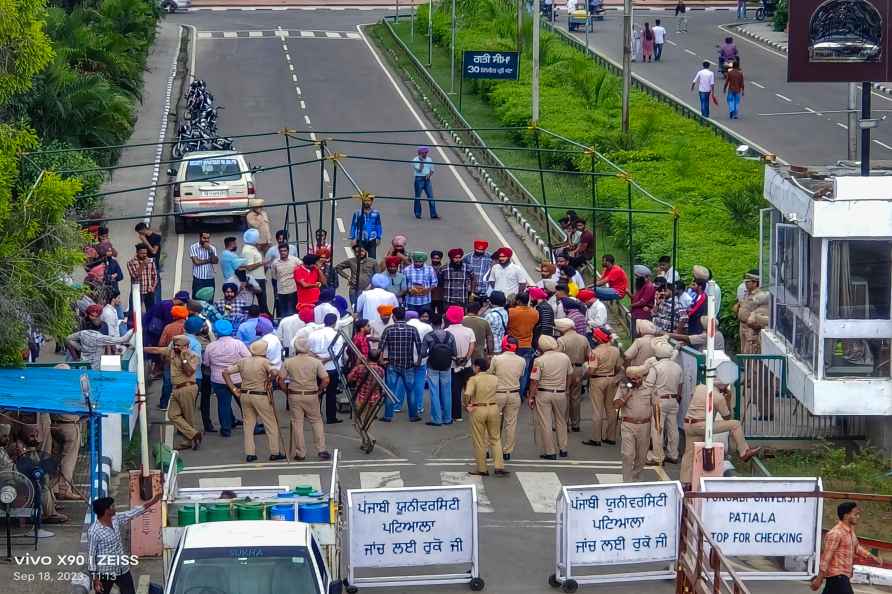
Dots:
{"x": 862, "y": 472}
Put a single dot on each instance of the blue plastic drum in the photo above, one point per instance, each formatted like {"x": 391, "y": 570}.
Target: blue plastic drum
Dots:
{"x": 283, "y": 513}
{"x": 313, "y": 513}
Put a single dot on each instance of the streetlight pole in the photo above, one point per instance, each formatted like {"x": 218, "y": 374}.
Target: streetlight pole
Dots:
{"x": 452, "y": 55}
{"x": 627, "y": 63}
{"x": 519, "y": 25}
{"x": 430, "y": 32}
{"x": 535, "y": 81}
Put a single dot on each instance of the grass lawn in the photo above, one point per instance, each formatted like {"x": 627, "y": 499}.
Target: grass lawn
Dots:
{"x": 844, "y": 471}
{"x": 561, "y": 189}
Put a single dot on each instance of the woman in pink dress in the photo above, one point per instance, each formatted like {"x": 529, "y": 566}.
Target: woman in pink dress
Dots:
{"x": 647, "y": 43}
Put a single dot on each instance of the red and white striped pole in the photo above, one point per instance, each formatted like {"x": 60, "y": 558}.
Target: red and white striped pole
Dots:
{"x": 711, "y": 323}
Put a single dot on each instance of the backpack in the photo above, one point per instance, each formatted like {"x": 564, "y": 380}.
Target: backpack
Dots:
{"x": 439, "y": 355}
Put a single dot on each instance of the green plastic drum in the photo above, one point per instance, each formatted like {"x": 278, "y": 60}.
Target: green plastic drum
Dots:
{"x": 218, "y": 512}
{"x": 303, "y": 489}
{"x": 186, "y": 515}
{"x": 250, "y": 511}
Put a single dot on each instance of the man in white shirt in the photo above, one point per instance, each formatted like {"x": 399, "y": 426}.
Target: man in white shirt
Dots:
{"x": 288, "y": 329}
{"x": 273, "y": 349}
{"x": 254, "y": 264}
{"x": 369, "y": 301}
{"x": 203, "y": 256}
{"x": 659, "y": 39}
{"x": 505, "y": 276}
{"x": 571, "y": 6}
{"x": 325, "y": 307}
{"x": 596, "y": 314}
{"x": 319, "y": 342}
{"x": 110, "y": 314}
{"x": 282, "y": 274}
{"x": 704, "y": 81}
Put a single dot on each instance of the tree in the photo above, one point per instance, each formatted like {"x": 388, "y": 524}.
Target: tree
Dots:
{"x": 24, "y": 46}
{"x": 39, "y": 247}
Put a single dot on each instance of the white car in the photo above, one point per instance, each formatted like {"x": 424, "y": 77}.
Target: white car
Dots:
{"x": 213, "y": 184}
{"x": 250, "y": 557}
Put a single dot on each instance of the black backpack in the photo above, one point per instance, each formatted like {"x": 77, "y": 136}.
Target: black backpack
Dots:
{"x": 439, "y": 355}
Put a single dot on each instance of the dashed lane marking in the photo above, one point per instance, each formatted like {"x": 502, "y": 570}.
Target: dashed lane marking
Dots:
{"x": 757, "y": 84}
{"x": 883, "y": 144}
{"x": 541, "y": 489}
{"x": 787, "y": 99}
{"x": 229, "y": 34}
{"x": 841, "y": 125}
{"x": 302, "y": 104}
{"x": 690, "y": 52}
{"x": 298, "y": 89}
{"x": 348, "y": 251}
{"x": 294, "y": 78}
{"x": 307, "y": 120}
{"x": 484, "y": 505}
{"x": 340, "y": 223}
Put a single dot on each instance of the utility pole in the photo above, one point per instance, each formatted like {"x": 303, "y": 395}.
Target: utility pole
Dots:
{"x": 430, "y": 32}
{"x": 519, "y": 26}
{"x": 866, "y": 90}
{"x": 535, "y": 81}
{"x": 452, "y": 55}
{"x": 853, "y": 121}
{"x": 627, "y": 63}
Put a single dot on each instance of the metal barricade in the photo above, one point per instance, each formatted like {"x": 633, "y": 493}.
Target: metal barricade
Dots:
{"x": 767, "y": 409}
{"x": 702, "y": 568}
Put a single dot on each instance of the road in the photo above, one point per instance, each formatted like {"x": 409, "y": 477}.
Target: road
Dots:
{"x": 813, "y": 138}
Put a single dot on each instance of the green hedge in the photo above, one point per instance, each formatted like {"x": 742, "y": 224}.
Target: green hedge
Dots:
{"x": 677, "y": 159}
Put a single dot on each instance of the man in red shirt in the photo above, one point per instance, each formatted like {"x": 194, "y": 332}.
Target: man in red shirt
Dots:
{"x": 308, "y": 279}
{"x": 613, "y": 283}
{"x": 840, "y": 549}
{"x": 642, "y": 304}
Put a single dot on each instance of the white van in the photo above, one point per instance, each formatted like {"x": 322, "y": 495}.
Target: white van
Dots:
{"x": 250, "y": 557}
{"x": 213, "y": 184}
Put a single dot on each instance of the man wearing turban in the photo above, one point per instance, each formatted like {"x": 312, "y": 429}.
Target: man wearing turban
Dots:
{"x": 505, "y": 276}
{"x": 456, "y": 279}
{"x": 421, "y": 279}
{"x": 479, "y": 262}
{"x": 370, "y": 301}
{"x": 254, "y": 263}
{"x": 423, "y": 168}
{"x": 396, "y": 280}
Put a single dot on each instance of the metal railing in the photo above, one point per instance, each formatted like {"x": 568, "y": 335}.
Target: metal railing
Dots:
{"x": 767, "y": 409}
{"x": 702, "y": 568}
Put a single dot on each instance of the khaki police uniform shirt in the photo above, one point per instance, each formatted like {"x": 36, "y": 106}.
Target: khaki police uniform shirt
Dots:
{"x": 697, "y": 407}
{"x": 551, "y": 370}
{"x": 606, "y": 360}
{"x": 304, "y": 372}
{"x": 508, "y": 368}
{"x": 177, "y": 375}
{"x": 481, "y": 389}
{"x": 640, "y": 351}
{"x": 575, "y": 346}
{"x": 664, "y": 378}
{"x": 640, "y": 405}
{"x": 254, "y": 372}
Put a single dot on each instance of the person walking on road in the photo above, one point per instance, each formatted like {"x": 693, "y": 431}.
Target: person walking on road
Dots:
{"x": 303, "y": 377}
{"x": 704, "y": 82}
{"x": 548, "y": 397}
{"x": 838, "y": 554}
{"x": 636, "y": 404}
{"x": 204, "y": 258}
{"x": 660, "y": 35}
{"x": 365, "y": 228}
{"x": 647, "y": 41}
{"x": 681, "y": 17}
{"x": 423, "y": 166}
{"x": 734, "y": 88}
{"x": 479, "y": 399}
{"x": 256, "y": 373}
{"x": 604, "y": 367}
{"x": 508, "y": 367}
{"x": 636, "y": 43}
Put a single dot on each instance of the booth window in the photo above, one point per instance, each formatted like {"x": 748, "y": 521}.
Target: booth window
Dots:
{"x": 860, "y": 280}
{"x": 856, "y": 357}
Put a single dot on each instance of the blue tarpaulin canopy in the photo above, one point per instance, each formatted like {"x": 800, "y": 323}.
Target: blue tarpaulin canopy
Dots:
{"x": 60, "y": 390}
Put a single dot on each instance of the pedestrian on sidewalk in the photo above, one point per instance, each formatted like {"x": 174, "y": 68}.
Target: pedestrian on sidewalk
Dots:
{"x": 636, "y": 43}
{"x": 647, "y": 40}
{"x": 741, "y": 9}
{"x": 204, "y": 257}
{"x": 660, "y": 34}
{"x": 681, "y": 17}
{"x": 479, "y": 399}
{"x": 106, "y": 549}
{"x": 704, "y": 81}
{"x": 423, "y": 166}
{"x": 734, "y": 88}
{"x": 838, "y": 554}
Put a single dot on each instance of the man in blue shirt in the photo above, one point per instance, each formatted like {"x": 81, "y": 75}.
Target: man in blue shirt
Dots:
{"x": 366, "y": 226}
{"x": 230, "y": 261}
{"x": 423, "y": 167}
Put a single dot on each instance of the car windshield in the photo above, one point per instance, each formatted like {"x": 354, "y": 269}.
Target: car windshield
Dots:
{"x": 245, "y": 570}
{"x": 218, "y": 169}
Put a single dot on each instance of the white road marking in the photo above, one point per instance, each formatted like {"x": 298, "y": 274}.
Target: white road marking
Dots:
{"x": 810, "y": 110}
{"x": 205, "y": 35}
{"x": 608, "y": 479}
{"x": 443, "y": 156}
{"x": 787, "y": 99}
{"x": 670, "y": 42}
{"x": 284, "y": 47}
{"x": 297, "y": 88}
{"x": 541, "y": 489}
{"x": 230, "y": 34}
{"x": 294, "y": 78}
{"x": 349, "y": 251}
{"x": 302, "y": 104}
{"x": 307, "y": 120}
{"x": 283, "y": 33}
{"x": 291, "y": 67}
{"x": 690, "y": 52}
{"x": 340, "y": 223}
{"x": 381, "y": 480}
{"x": 883, "y": 144}
{"x": 332, "y": 35}
{"x": 307, "y": 34}
{"x": 484, "y": 505}
{"x": 325, "y": 176}
{"x": 288, "y": 57}
{"x": 318, "y": 154}
{"x": 292, "y": 480}
{"x": 757, "y": 84}
{"x": 229, "y": 481}
{"x": 313, "y": 136}
{"x": 255, "y": 33}
{"x": 841, "y": 125}
{"x": 352, "y": 35}
{"x": 178, "y": 273}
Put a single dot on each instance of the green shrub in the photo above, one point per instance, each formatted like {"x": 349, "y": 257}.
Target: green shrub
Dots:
{"x": 68, "y": 165}
{"x": 781, "y": 16}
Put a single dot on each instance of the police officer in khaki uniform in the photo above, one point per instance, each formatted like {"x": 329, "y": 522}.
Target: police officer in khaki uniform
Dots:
{"x": 66, "y": 428}
{"x": 256, "y": 397}
{"x": 302, "y": 378}
{"x": 576, "y": 347}
{"x": 636, "y": 404}
{"x": 752, "y": 311}
{"x": 508, "y": 367}
{"x": 548, "y": 397}
{"x": 641, "y": 348}
{"x": 604, "y": 370}
{"x": 695, "y": 426}
{"x": 181, "y": 411}
{"x": 665, "y": 379}
{"x": 479, "y": 399}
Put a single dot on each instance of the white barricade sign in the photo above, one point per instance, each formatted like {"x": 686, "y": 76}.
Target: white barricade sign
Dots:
{"x": 622, "y": 524}
{"x": 413, "y": 527}
{"x": 770, "y": 525}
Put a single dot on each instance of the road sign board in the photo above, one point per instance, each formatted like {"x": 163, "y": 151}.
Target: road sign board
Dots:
{"x": 490, "y": 64}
